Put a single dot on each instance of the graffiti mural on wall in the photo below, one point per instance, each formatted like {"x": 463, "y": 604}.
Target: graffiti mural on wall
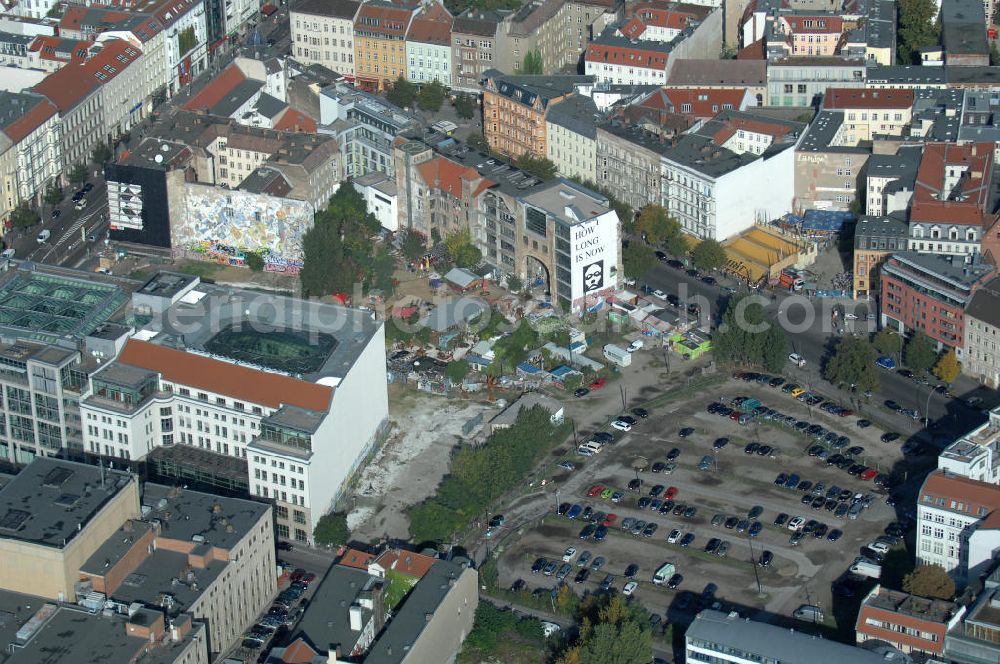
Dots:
{"x": 223, "y": 226}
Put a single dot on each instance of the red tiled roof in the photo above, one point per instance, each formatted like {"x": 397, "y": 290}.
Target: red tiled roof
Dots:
{"x": 46, "y": 46}
{"x": 634, "y": 56}
{"x": 292, "y": 120}
{"x": 704, "y": 102}
{"x": 831, "y": 24}
{"x": 197, "y": 371}
{"x": 973, "y": 495}
{"x": 68, "y": 86}
{"x": 299, "y": 652}
{"x": 356, "y": 559}
{"x": 633, "y": 28}
{"x": 35, "y": 116}
{"x": 898, "y": 637}
{"x": 733, "y": 125}
{"x": 431, "y": 26}
{"x": 446, "y": 175}
{"x": 407, "y": 563}
{"x": 977, "y": 158}
{"x": 848, "y": 98}
{"x": 382, "y": 21}
{"x": 217, "y": 89}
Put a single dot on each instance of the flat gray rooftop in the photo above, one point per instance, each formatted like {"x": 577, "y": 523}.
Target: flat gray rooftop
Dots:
{"x": 327, "y": 619}
{"x": 115, "y": 547}
{"x": 47, "y": 501}
{"x": 183, "y": 513}
{"x": 564, "y": 195}
{"x": 192, "y": 324}
{"x": 165, "y": 579}
{"x": 718, "y": 631}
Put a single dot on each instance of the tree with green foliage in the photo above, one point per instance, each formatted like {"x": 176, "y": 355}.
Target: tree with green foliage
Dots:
{"x": 919, "y": 354}
{"x": 888, "y": 342}
{"x": 494, "y": 628}
{"x": 532, "y": 64}
{"x": 255, "y": 261}
{"x": 853, "y": 364}
{"x": 431, "y": 96}
{"x": 413, "y": 245}
{"x": 744, "y": 336}
{"x": 461, "y": 250}
{"x": 479, "y": 475}
{"x": 456, "y": 371}
{"x": 708, "y": 255}
{"x": 542, "y": 169}
{"x": 948, "y": 367}
{"x": 677, "y": 245}
{"x": 994, "y": 54}
{"x": 186, "y": 40}
{"x": 727, "y": 52}
{"x": 612, "y": 631}
{"x": 383, "y": 267}
{"x": 918, "y": 27}
{"x": 655, "y": 225}
{"x": 78, "y": 174}
{"x": 332, "y": 529}
{"x": 101, "y": 154}
{"x": 513, "y": 349}
{"x": 930, "y": 581}
{"x": 637, "y": 260}
{"x": 53, "y": 194}
{"x": 514, "y": 283}
{"x": 478, "y": 142}
{"x": 338, "y": 249}
{"x": 402, "y": 93}
{"x": 774, "y": 353}
{"x": 465, "y": 106}
{"x": 23, "y": 216}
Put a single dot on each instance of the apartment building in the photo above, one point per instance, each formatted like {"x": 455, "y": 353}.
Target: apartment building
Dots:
{"x": 977, "y": 638}
{"x": 982, "y": 342}
{"x": 718, "y": 638}
{"x": 890, "y": 181}
{"x": 710, "y": 173}
{"x": 428, "y": 45}
{"x": 475, "y": 47}
{"x": 81, "y": 114}
{"x": 950, "y": 198}
{"x": 976, "y": 454}
{"x": 323, "y": 34}
{"x": 440, "y": 193}
{"x": 301, "y": 430}
{"x": 800, "y": 81}
{"x": 30, "y": 159}
{"x": 913, "y": 625}
{"x": 556, "y": 30}
{"x": 748, "y": 75}
{"x": 515, "y": 108}
{"x": 870, "y": 112}
{"x": 876, "y": 237}
{"x": 365, "y": 127}
{"x": 628, "y": 163}
{"x": 697, "y": 103}
{"x": 571, "y": 137}
{"x": 929, "y": 293}
{"x": 827, "y": 168}
{"x": 807, "y": 33}
{"x": 963, "y": 36}
{"x": 380, "y": 29}
{"x": 251, "y": 92}
{"x": 612, "y": 58}
{"x": 957, "y": 525}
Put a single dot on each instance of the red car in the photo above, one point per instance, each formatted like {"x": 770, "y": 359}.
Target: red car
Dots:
{"x": 609, "y": 520}
{"x": 307, "y": 579}
{"x": 735, "y": 416}
{"x": 868, "y": 474}
{"x": 847, "y": 412}
{"x": 595, "y": 490}
{"x": 670, "y": 493}
{"x": 598, "y": 384}
{"x": 297, "y": 575}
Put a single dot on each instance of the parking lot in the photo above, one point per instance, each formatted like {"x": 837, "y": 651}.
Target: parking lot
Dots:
{"x": 731, "y": 484}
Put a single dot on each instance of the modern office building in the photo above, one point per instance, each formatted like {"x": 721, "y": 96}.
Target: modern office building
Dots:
{"x": 204, "y": 374}
{"x": 928, "y": 293}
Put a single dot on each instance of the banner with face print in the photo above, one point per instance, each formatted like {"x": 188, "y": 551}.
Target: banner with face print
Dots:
{"x": 593, "y": 277}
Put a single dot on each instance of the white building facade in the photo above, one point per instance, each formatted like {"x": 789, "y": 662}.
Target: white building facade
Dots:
{"x": 323, "y": 34}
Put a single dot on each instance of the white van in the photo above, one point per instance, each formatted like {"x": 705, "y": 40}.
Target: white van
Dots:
{"x": 797, "y": 360}
{"x": 809, "y": 613}
{"x": 44, "y": 236}
{"x": 635, "y": 345}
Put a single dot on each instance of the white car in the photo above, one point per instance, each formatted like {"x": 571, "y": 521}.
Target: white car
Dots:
{"x": 569, "y": 554}
{"x": 879, "y": 547}
{"x": 8, "y": 253}
{"x": 621, "y": 426}
{"x": 549, "y": 628}
{"x": 850, "y": 317}
{"x": 635, "y": 345}
{"x": 660, "y": 294}
{"x": 44, "y": 236}
{"x": 797, "y": 360}
{"x": 796, "y": 523}
{"x": 674, "y": 536}
{"x": 629, "y": 588}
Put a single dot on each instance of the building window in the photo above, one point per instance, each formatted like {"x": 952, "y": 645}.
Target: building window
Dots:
{"x": 300, "y": 516}
{"x": 282, "y": 531}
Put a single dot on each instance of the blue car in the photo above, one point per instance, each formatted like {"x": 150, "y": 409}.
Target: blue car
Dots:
{"x": 600, "y": 533}
{"x": 886, "y": 363}
{"x": 792, "y": 481}
{"x": 574, "y": 511}
{"x": 755, "y": 529}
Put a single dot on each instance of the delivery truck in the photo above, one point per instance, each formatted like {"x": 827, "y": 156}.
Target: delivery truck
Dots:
{"x": 618, "y": 355}
{"x": 791, "y": 280}
{"x": 663, "y": 574}
{"x": 865, "y": 567}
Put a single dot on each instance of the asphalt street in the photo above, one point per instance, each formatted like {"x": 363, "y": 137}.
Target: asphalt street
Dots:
{"x": 811, "y": 333}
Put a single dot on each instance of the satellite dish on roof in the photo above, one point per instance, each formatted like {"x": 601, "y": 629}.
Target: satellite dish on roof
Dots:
{"x": 158, "y": 159}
